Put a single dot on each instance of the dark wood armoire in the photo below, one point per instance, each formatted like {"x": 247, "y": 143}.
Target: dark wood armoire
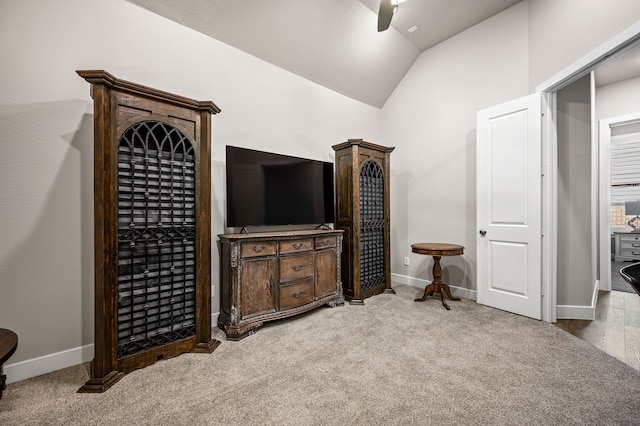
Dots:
{"x": 362, "y": 203}
{"x": 152, "y": 225}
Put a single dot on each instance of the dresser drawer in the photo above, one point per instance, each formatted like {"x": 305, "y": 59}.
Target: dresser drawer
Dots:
{"x": 298, "y": 294}
{"x": 296, "y": 267}
{"x": 325, "y": 242}
{"x": 294, "y": 246}
{"x": 630, "y": 245}
{"x": 629, "y": 238}
{"x": 262, "y": 248}
{"x": 630, "y": 252}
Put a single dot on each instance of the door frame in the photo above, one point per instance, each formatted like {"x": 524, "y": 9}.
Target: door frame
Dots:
{"x": 548, "y": 89}
{"x": 605, "y": 130}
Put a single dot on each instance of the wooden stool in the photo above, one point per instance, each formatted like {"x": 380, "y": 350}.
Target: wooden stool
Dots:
{"x": 437, "y": 250}
{"x": 8, "y": 345}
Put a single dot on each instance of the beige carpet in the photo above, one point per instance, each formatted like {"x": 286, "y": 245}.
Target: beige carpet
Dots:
{"x": 392, "y": 361}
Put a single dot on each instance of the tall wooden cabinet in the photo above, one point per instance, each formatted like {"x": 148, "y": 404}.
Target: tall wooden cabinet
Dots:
{"x": 152, "y": 221}
{"x": 362, "y": 198}
{"x": 273, "y": 275}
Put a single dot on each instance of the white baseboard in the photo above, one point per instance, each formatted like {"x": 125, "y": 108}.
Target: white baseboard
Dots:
{"x": 421, "y": 283}
{"x": 46, "y": 364}
{"x": 580, "y": 312}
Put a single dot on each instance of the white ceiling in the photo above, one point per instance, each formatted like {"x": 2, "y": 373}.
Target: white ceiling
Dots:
{"x": 437, "y": 20}
{"x": 334, "y": 43}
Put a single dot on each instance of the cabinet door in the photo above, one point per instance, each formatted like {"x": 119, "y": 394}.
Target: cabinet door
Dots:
{"x": 326, "y": 273}
{"x": 257, "y": 283}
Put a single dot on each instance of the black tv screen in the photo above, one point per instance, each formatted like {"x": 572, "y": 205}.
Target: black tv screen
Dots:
{"x": 265, "y": 189}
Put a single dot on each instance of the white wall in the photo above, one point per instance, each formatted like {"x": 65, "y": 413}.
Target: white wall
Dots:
{"x": 617, "y": 99}
{"x": 431, "y": 119}
{"x": 563, "y": 31}
{"x": 576, "y": 240}
{"x": 431, "y": 116}
{"x": 46, "y": 134}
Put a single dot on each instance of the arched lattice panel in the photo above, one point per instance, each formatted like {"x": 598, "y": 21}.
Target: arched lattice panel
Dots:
{"x": 372, "y": 221}
{"x": 156, "y": 237}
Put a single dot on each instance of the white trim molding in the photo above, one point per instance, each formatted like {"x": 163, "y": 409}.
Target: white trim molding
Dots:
{"x": 611, "y": 48}
{"x": 422, "y": 283}
{"x": 214, "y": 320}
{"x": 46, "y": 364}
{"x": 580, "y": 312}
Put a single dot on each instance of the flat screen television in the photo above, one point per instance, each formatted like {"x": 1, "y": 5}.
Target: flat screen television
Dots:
{"x": 266, "y": 189}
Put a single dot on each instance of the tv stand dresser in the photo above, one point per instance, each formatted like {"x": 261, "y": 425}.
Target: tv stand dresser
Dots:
{"x": 273, "y": 275}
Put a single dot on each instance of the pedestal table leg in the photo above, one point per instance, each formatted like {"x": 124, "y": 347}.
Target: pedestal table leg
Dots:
{"x": 437, "y": 285}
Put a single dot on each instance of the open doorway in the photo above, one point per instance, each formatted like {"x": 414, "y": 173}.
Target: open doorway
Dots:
{"x": 619, "y": 211}
{"x": 576, "y": 201}
{"x": 612, "y": 329}
{"x": 595, "y": 60}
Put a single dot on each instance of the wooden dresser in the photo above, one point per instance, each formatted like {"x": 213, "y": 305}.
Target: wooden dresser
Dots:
{"x": 273, "y": 275}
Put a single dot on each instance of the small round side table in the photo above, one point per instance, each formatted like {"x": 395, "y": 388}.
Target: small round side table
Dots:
{"x": 437, "y": 250}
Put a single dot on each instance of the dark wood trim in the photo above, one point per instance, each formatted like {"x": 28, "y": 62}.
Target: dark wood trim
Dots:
{"x": 368, "y": 145}
{"x": 101, "y": 77}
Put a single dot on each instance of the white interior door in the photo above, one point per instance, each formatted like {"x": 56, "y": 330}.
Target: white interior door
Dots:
{"x": 509, "y": 212}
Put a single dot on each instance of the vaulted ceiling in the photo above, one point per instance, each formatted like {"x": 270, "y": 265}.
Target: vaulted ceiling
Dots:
{"x": 334, "y": 43}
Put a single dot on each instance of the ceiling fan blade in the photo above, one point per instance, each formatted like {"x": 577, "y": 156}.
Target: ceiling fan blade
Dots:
{"x": 385, "y": 13}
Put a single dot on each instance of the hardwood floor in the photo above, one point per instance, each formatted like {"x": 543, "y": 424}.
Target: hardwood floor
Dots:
{"x": 616, "y": 329}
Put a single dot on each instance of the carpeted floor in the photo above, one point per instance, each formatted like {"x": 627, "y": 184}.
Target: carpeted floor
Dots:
{"x": 390, "y": 362}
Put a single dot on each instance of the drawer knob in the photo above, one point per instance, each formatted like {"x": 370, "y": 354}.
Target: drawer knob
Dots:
{"x": 297, "y": 295}
{"x": 297, "y": 267}
{"x": 258, "y": 249}
{"x": 297, "y": 246}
